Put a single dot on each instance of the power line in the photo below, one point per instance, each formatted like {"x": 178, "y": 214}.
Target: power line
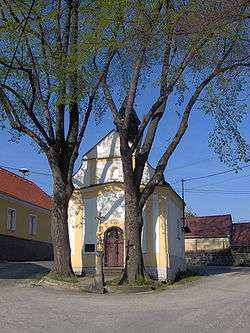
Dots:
{"x": 223, "y": 181}
{"x": 215, "y": 174}
{"x": 218, "y": 191}
{"x": 33, "y": 172}
{"x": 191, "y": 164}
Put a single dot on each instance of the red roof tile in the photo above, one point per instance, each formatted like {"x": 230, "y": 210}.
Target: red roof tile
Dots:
{"x": 23, "y": 189}
{"x": 241, "y": 234}
{"x": 209, "y": 226}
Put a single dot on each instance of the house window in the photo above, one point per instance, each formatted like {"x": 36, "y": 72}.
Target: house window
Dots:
{"x": 11, "y": 219}
{"x": 32, "y": 225}
{"x": 178, "y": 229}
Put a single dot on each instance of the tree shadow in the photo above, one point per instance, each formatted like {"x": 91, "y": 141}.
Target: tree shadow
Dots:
{"x": 22, "y": 270}
{"x": 216, "y": 270}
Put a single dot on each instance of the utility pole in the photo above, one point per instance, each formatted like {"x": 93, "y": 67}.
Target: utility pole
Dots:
{"x": 183, "y": 202}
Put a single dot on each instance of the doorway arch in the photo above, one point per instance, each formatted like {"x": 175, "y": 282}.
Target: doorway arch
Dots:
{"x": 114, "y": 247}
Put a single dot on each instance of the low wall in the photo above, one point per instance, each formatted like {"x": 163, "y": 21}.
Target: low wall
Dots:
{"x": 206, "y": 243}
{"x": 235, "y": 256}
{"x": 19, "y": 249}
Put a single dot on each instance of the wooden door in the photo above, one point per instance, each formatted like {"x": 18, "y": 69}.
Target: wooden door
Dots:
{"x": 114, "y": 248}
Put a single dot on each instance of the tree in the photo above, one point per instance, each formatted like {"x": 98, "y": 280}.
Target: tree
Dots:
{"x": 48, "y": 90}
{"x": 197, "y": 53}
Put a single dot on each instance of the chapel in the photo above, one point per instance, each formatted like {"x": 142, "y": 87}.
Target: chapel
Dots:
{"x": 96, "y": 216}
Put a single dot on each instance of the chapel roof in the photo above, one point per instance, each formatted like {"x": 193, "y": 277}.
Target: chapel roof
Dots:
{"x": 23, "y": 189}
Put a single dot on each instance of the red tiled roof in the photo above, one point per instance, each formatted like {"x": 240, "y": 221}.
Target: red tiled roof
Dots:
{"x": 241, "y": 234}
{"x": 209, "y": 226}
{"x": 23, "y": 189}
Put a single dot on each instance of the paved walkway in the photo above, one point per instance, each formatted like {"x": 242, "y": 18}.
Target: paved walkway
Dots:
{"x": 219, "y": 302}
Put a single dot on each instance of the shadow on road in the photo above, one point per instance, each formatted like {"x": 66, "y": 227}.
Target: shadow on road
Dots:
{"x": 215, "y": 270}
{"x": 22, "y": 270}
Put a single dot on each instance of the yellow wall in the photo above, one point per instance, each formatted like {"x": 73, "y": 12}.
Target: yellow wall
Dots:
{"x": 23, "y": 210}
{"x": 161, "y": 260}
{"x": 76, "y": 217}
{"x": 199, "y": 244}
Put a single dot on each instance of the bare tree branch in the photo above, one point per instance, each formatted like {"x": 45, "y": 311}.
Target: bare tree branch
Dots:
{"x": 132, "y": 89}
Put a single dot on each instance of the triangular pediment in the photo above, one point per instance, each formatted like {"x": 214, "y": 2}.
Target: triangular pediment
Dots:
{"x": 107, "y": 147}
{"x": 102, "y": 164}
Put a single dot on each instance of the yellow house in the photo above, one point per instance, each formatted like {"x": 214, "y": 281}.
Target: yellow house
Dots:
{"x": 24, "y": 219}
{"x": 96, "y": 215}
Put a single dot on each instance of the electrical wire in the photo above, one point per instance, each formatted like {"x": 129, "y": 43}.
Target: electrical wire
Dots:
{"x": 215, "y": 174}
{"x": 191, "y": 164}
{"x": 221, "y": 182}
{"x": 32, "y": 172}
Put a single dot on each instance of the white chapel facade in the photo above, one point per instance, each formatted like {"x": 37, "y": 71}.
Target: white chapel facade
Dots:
{"x": 96, "y": 216}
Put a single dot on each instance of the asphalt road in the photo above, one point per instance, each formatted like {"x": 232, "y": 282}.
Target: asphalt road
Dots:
{"x": 218, "y": 302}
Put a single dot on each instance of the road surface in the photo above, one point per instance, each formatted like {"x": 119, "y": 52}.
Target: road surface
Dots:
{"x": 218, "y": 302}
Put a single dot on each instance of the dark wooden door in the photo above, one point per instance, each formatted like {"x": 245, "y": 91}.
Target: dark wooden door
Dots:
{"x": 114, "y": 248}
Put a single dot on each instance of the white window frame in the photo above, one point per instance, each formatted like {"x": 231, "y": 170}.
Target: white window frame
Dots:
{"x": 11, "y": 223}
{"x": 32, "y": 225}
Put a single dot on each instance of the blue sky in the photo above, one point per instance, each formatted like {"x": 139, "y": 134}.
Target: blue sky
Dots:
{"x": 193, "y": 158}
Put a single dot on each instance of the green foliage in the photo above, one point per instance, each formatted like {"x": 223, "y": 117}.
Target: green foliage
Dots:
{"x": 197, "y": 33}
{"x": 200, "y": 36}
{"x": 40, "y": 56}
{"x": 141, "y": 280}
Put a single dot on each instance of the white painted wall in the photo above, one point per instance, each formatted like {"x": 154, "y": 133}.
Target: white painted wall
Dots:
{"x": 110, "y": 205}
{"x": 176, "y": 245}
{"x": 83, "y": 175}
{"x": 106, "y": 170}
{"x": 175, "y": 233}
{"x": 147, "y": 173}
{"x": 109, "y": 171}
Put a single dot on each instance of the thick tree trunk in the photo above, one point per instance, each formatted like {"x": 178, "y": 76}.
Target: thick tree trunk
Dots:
{"x": 134, "y": 267}
{"x": 59, "y": 226}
